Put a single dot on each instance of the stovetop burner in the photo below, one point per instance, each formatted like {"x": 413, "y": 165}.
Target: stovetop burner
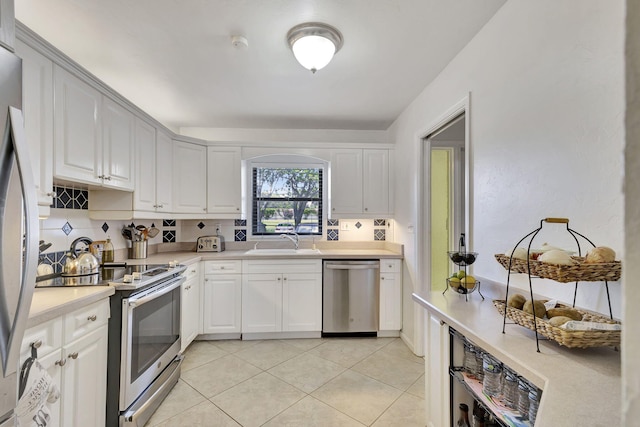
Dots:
{"x": 120, "y": 275}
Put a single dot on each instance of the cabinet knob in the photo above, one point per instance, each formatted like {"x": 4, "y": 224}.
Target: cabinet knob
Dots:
{"x": 382, "y": 278}
{"x": 52, "y": 194}
{"x": 36, "y": 344}
{"x": 73, "y": 355}
{"x": 366, "y": 209}
{"x": 108, "y": 178}
{"x": 284, "y": 278}
{"x": 278, "y": 279}
{"x": 333, "y": 209}
{"x": 61, "y": 362}
{"x": 193, "y": 271}
{"x": 204, "y": 209}
{"x": 92, "y": 318}
{"x": 237, "y": 209}
{"x": 222, "y": 267}
{"x": 100, "y": 176}
{"x": 161, "y": 206}
{"x": 206, "y": 280}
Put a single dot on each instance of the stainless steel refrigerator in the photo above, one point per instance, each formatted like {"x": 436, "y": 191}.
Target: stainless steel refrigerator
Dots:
{"x": 18, "y": 233}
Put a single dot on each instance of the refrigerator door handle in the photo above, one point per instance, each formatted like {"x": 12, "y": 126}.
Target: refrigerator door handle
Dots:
{"x": 31, "y": 230}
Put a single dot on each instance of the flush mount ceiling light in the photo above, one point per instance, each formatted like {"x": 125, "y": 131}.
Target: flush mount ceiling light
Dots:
{"x": 314, "y": 44}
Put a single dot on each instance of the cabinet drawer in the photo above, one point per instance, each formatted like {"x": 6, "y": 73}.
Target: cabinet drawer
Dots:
{"x": 390, "y": 265}
{"x": 282, "y": 266}
{"x": 192, "y": 271}
{"x": 48, "y": 335}
{"x": 85, "y": 320}
{"x": 223, "y": 267}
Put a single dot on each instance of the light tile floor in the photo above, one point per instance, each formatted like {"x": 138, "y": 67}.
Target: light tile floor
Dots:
{"x": 336, "y": 382}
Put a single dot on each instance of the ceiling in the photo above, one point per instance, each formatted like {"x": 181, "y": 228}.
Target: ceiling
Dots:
{"x": 174, "y": 59}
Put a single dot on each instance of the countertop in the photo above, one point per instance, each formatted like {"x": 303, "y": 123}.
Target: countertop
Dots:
{"x": 49, "y": 303}
{"x": 581, "y": 387}
{"x": 190, "y": 257}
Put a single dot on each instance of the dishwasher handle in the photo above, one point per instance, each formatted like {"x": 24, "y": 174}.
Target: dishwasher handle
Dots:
{"x": 354, "y": 266}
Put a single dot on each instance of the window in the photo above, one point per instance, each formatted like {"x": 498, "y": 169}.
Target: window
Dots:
{"x": 287, "y": 199}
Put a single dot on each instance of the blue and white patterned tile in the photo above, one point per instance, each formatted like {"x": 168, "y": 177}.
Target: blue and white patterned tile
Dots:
{"x": 67, "y": 228}
{"x": 333, "y": 234}
{"x": 168, "y": 222}
{"x": 379, "y": 222}
{"x": 240, "y": 236}
{"x": 379, "y": 234}
{"x": 358, "y": 224}
{"x": 333, "y": 222}
{"x": 201, "y": 225}
{"x": 240, "y": 222}
{"x": 168, "y": 236}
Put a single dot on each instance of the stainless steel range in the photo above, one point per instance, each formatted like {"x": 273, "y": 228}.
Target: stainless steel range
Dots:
{"x": 144, "y": 342}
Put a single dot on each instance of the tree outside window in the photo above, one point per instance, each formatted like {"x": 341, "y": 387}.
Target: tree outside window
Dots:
{"x": 286, "y": 200}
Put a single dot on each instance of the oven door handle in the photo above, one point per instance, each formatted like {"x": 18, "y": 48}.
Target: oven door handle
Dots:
{"x": 137, "y": 302}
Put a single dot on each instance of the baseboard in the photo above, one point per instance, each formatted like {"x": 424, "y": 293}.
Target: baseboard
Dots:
{"x": 280, "y": 335}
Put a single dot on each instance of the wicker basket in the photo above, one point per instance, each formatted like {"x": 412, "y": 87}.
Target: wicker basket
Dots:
{"x": 580, "y": 272}
{"x": 571, "y": 339}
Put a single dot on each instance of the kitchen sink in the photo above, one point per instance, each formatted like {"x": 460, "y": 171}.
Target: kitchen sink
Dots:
{"x": 291, "y": 252}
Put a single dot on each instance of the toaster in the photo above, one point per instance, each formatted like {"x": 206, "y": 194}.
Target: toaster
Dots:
{"x": 210, "y": 244}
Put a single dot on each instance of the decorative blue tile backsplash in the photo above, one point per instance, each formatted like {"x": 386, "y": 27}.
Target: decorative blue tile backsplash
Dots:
{"x": 333, "y": 234}
{"x": 67, "y": 228}
{"x": 201, "y": 225}
{"x": 379, "y": 222}
{"x": 168, "y": 236}
{"x": 70, "y": 198}
{"x": 240, "y": 222}
{"x": 333, "y": 222}
{"x": 168, "y": 222}
{"x": 55, "y": 260}
{"x": 240, "y": 236}
{"x": 379, "y": 234}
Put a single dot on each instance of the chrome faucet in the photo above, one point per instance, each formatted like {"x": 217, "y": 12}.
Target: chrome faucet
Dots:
{"x": 294, "y": 239}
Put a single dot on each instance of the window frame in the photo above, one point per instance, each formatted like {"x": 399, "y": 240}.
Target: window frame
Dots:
{"x": 288, "y": 162}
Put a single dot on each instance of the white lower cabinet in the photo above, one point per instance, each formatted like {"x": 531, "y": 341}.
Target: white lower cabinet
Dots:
{"x": 390, "y": 295}
{"x": 73, "y": 349}
{"x": 222, "y": 297}
{"x": 282, "y": 296}
{"x": 190, "y": 306}
{"x": 437, "y": 381}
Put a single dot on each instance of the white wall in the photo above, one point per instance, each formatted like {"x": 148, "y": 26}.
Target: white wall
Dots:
{"x": 631, "y": 265}
{"x": 546, "y": 130}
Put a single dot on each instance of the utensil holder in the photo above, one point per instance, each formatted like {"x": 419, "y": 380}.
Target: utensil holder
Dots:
{"x": 138, "y": 250}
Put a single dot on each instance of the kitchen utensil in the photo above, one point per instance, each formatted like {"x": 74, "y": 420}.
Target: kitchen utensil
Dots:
{"x": 43, "y": 246}
{"x": 153, "y": 232}
{"x": 126, "y": 233}
{"x": 143, "y": 231}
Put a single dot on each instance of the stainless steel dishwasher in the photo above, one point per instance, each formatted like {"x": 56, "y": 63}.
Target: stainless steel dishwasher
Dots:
{"x": 350, "y": 295}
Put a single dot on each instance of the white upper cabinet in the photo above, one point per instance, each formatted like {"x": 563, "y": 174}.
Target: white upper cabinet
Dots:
{"x": 189, "y": 178}
{"x": 346, "y": 182}
{"x": 118, "y": 146}
{"x": 7, "y": 24}
{"x": 360, "y": 183}
{"x": 164, "y": 172}
{"x": 375, "y": 180}
{"x": 37, "y": 106}
{"x": 93, "y": 135}
{"x": 224, "y": 181}
{"x": 77, "y": 129}
{"x": 144, "y": 196}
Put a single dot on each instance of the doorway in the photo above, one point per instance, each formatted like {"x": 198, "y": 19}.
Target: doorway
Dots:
{"x": 447, "y": 196}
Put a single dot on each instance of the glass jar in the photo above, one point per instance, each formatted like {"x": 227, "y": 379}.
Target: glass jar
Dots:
{"x": 510, "y": 389}
{"x": 492, "y": 375}
{"x": 534, "y": 401}
{"x": 523, "y": 398}
{"x": 463, "y": 419}
{"x": 479, "y": 371}
{"x": 469, "y": 361}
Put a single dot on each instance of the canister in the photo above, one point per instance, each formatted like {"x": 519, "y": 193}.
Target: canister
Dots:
{"x": 138, "y": 250}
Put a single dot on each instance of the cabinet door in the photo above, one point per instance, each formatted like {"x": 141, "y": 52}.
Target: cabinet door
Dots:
{"x": 7, "y": 24}
{"x": 118, "y": 146}
{"x": 54, "y": 369}
{"x": 164, "y": 173}
{"x": 85, "y": 380}
{"x": 390, "y": 302}
{"x": 224, "y": 180}
{"x": 77, "y": 140}
{"x": 301, "y": 302}
{"x": 222, "y": 304}
{"x": 262, "y": 303}
{"x": 144, "y": 196}
{"x": 189, "y": 178}
{"x": 37, "y": 95}
{"x": 375, "y": 182}
{"x": 437, "y": 382}
{"x": 190, "y": 307}
{"x": 346, "y": 182}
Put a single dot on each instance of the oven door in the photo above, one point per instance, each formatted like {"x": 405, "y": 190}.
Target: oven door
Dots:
{"x": 150, "y": 337}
